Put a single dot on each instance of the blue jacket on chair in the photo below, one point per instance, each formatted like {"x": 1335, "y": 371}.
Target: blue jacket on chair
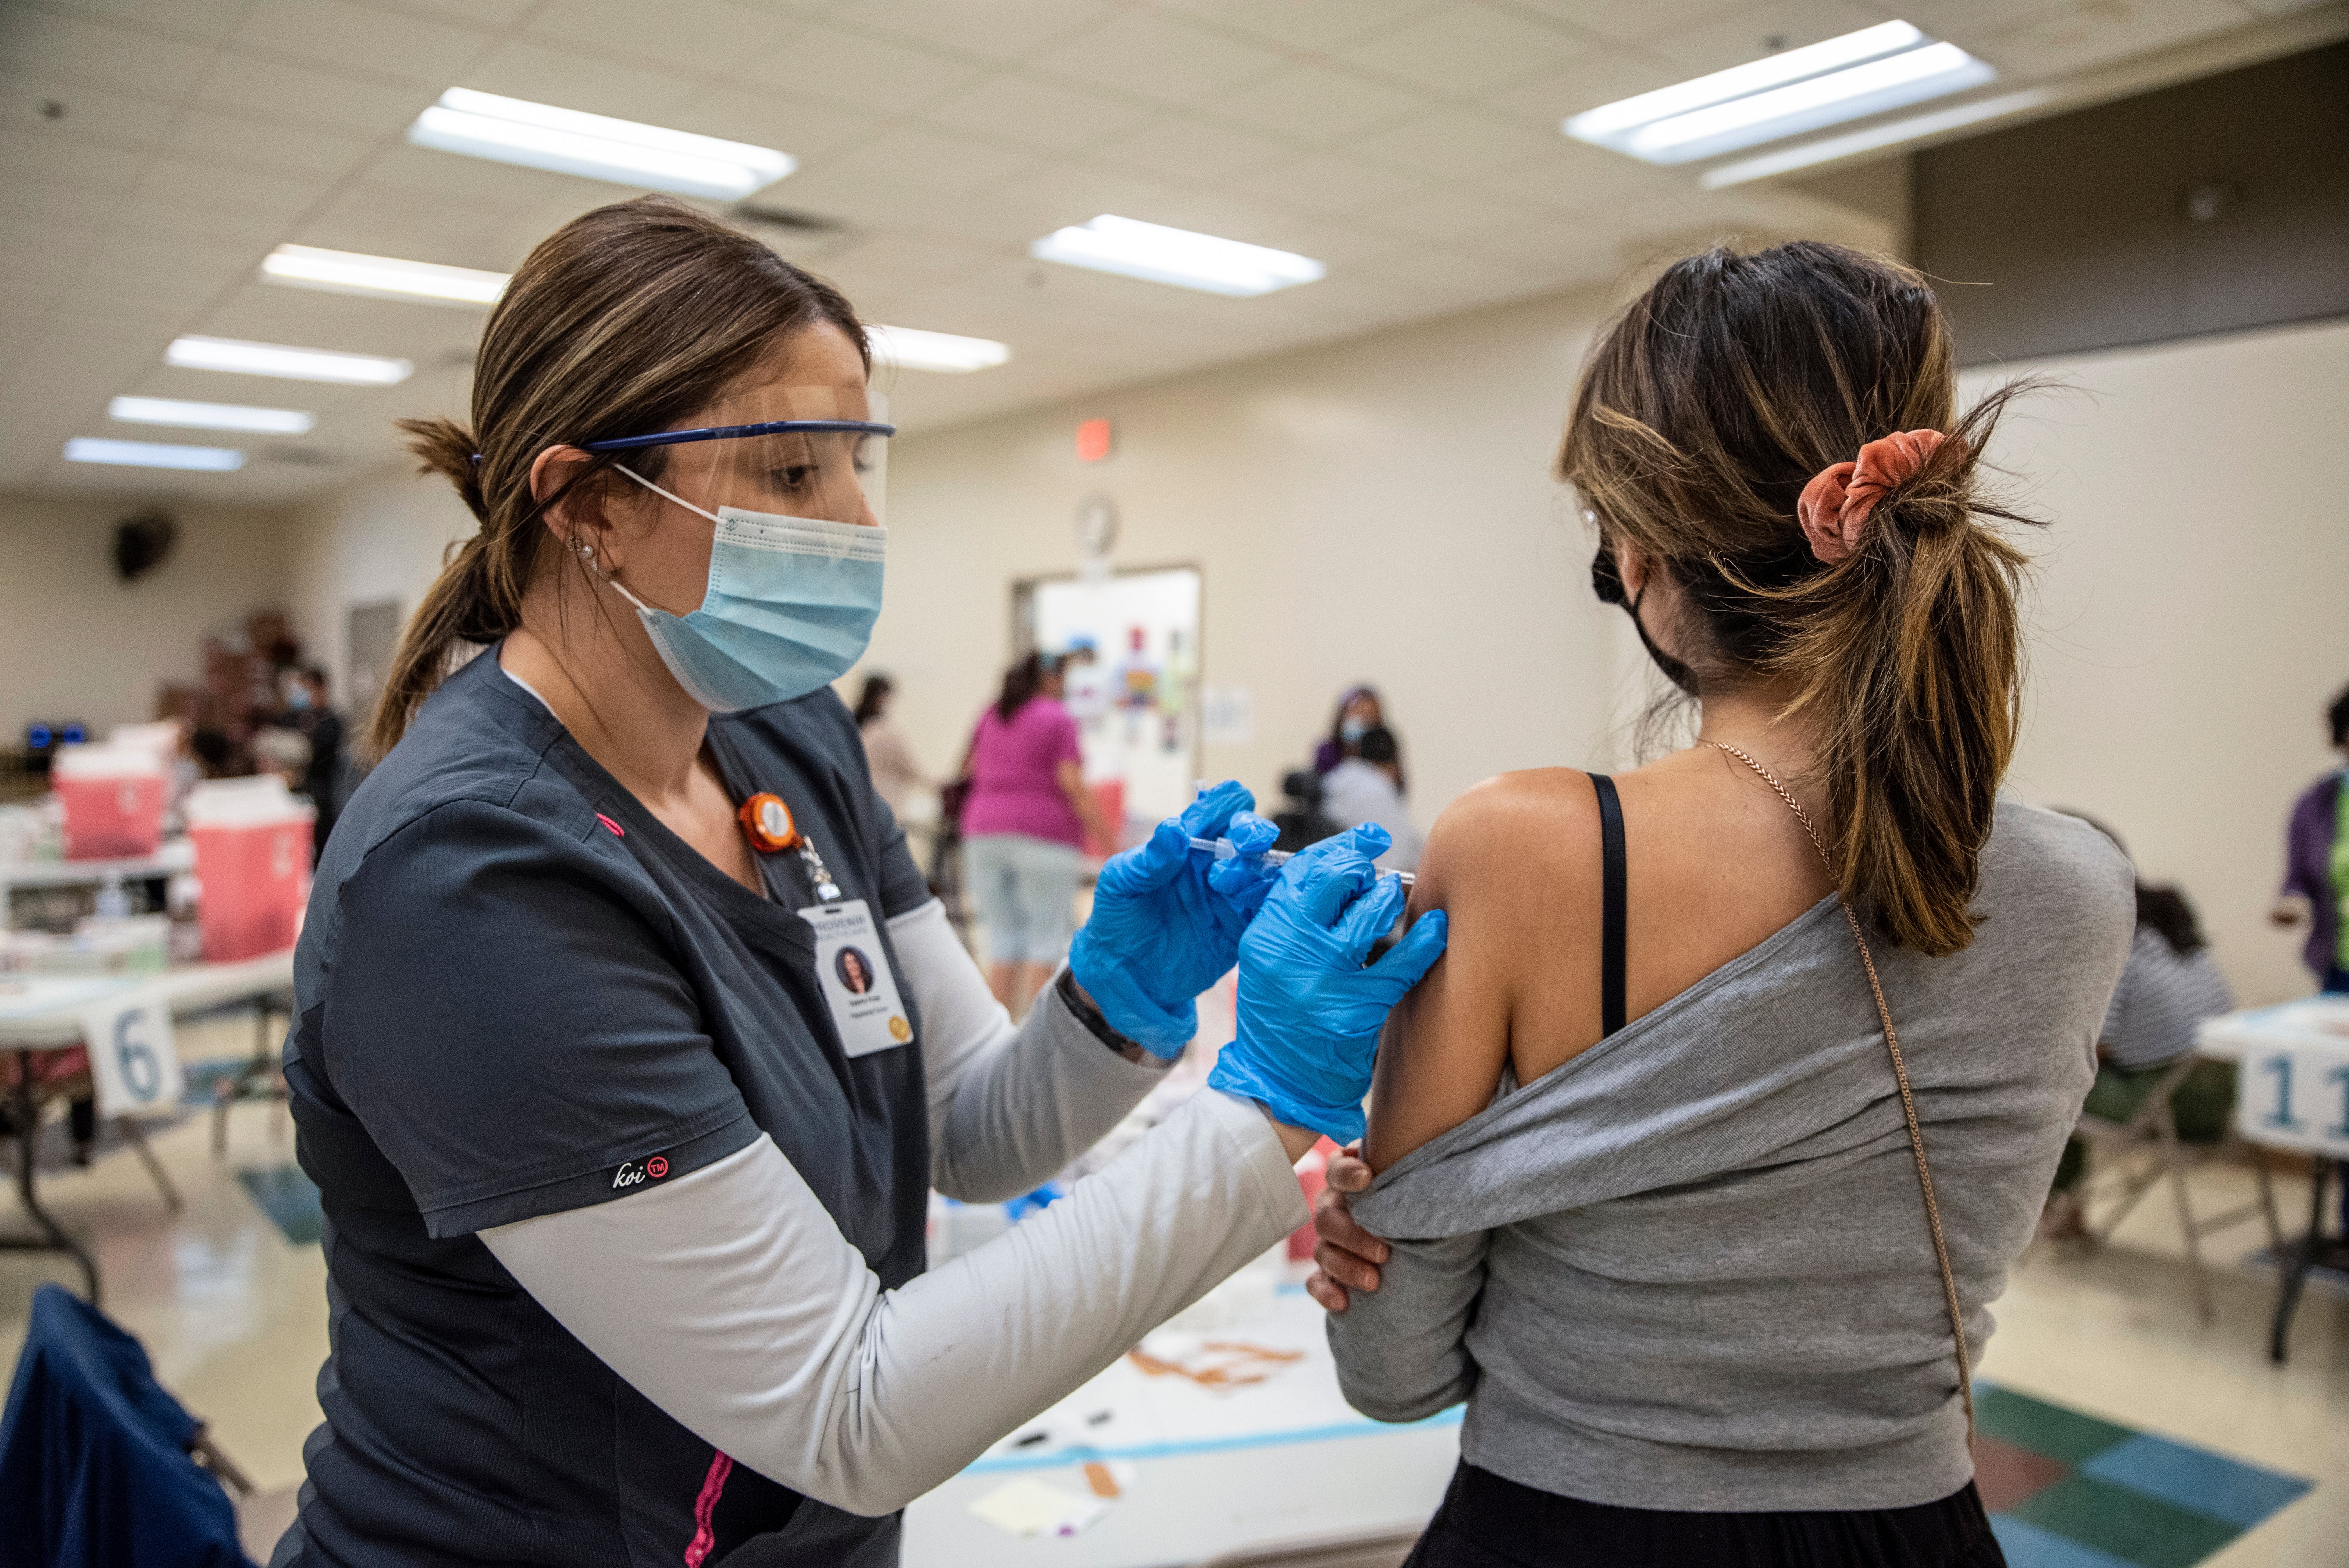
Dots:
{"x": 93, "y": 1465}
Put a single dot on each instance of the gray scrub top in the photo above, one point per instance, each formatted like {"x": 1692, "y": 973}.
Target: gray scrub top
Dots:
{"x": 517, "y": 994}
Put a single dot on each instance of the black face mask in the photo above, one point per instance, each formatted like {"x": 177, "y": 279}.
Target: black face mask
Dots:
{"x": 1606, "y": 582}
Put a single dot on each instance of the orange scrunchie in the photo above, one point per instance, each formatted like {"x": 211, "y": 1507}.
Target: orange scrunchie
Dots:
{"x": 1838, "y": 499}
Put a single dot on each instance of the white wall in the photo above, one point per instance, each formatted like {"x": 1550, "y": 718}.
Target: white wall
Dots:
{"x": 379, "y": 537}
{"x": 78, "y": 641}
{"x": 2191, "y": 620}
{"x": 1378, "y": 510}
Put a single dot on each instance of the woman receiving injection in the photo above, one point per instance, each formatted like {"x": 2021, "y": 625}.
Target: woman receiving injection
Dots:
{"x": 1703, "y": 1152}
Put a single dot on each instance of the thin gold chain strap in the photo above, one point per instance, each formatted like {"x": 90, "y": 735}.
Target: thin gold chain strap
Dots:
{"x": 1901, "y": 1074}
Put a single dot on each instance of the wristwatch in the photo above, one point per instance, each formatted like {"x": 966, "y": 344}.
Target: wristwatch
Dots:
{"x": 1090, "y": 1018}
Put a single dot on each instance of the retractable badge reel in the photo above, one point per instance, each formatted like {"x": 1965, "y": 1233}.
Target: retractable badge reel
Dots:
{"x": 767, "y": 824}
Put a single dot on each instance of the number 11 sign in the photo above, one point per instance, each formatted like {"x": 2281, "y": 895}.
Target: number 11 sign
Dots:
{"x": 133, "y": 1056}
{"x": 2296, "y": 1097}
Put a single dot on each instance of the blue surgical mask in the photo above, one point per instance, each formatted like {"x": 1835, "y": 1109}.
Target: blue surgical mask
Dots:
{"x": 1351, "y": 730}
{"x": 789, "y": 607}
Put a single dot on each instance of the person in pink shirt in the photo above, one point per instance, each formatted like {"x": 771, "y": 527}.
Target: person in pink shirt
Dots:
{"x": 1024, "y": 827}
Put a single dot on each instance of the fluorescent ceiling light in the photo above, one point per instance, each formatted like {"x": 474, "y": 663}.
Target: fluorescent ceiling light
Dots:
{"x": 381, "y": 277}
{"x": 910, "y": 349}
{"x": 211, "y": 416}
{"x": 1178, "y": 256}
{"x": 153, "y": 455}
{"x": 1887, "y": 66}
{"x": 293, "y": 364}
{"x": 1876, "y": 138}
{"x": 540, "y": 136}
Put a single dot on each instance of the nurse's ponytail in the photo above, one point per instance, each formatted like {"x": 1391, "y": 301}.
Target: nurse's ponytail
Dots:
{"x": 1745, "y": 395}
{"x": 624, "y": 320}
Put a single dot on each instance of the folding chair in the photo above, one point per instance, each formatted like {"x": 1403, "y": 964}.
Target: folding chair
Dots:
{"x": 2128, "y": 1157}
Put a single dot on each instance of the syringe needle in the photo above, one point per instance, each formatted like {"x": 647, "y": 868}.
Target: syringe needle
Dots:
{"x": 1224, "y": 850}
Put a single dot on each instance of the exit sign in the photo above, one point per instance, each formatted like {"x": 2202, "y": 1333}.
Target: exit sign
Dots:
{"x": 1092, "y": 440}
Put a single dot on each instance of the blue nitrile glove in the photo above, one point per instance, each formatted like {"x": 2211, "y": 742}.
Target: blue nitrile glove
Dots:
{"x": 1309, "y": 1013}
{"x": 1161, "y": 930}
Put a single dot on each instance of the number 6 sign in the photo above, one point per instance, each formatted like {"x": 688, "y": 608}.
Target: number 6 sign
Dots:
{"x": 133, "y": 1058}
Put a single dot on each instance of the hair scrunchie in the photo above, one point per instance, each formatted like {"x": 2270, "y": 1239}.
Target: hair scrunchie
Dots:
{"x": 1838, "y": 499}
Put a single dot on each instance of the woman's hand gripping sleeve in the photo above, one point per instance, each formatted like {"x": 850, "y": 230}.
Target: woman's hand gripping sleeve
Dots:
{"x": 730, "y": 1299}
{"x": 1009, "y": 1108}
{"x": 1403, "y": 1349}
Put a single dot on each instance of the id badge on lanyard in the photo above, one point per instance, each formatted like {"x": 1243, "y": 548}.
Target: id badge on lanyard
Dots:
{"x": 855, "y": 976}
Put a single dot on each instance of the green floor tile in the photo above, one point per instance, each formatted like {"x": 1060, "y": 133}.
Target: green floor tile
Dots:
{"x": 2045, "y": 1429}
{"x": 2124, "y": 1524}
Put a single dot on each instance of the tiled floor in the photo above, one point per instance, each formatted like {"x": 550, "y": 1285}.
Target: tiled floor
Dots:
{"x": 234, "y": 1313}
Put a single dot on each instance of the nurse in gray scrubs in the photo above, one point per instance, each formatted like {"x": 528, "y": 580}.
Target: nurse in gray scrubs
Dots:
{"x": 630, "y": 1043}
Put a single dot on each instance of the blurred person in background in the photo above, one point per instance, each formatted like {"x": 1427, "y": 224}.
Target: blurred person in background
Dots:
{"x": 1024, "y": 826}
{"x": 2316, "y": 864}
{"x": 308, "y": 711}
{"x": 1368, "y": 787}
{"x": 1359, "y": 713}
{"x": 898, "y": 779}
{"x": 2171, "y": 983}
{"x": 283, "y": 752}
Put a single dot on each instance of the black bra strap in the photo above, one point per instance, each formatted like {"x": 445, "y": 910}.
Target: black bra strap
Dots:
{"x": 1613, "y": 899}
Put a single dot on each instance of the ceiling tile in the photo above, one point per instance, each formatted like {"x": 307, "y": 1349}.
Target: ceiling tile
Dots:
{"x": 1320, "y": 183}
{"x": 1573, "y": 178}
{"x": 1629, "y": 22}
{"x": 1311, "y": 24}
{"x": 190, "y": 182}
{"x": 493, "y": 187}
{"x": 1446, "y": 214}
{"x": 1963, "y": 21}
{"x": 925, "y": 159}
{"x": 1039, "y": 114}
{"x": 1568, "y": 249}
{"x": 1758, "y": 31}
{"x": 766, "y": 118}
{"x": 1596, "y": 80}
{"x": 493, "y": 14}
{"x": 199, "y": 223}
{"x": 1456, "y": 144}
{"x": 88, "y": 114}
{"x": 192, "y": 21}
{"x": 26, "y": 155}
{"x": 240, "y": 83}
{"x": 1060, "y": 194}
{"x": 71, "y": 50}
{"x": 1465, "y": 48}
{"x": 344, "y": 33}
{"x": 999, "y": 29}
{"x": 2099, "y": 33}
{"x": 895, "y": 261}
{"x": 1189, "y": 149}
{"x": 592, "y": 84}
{"x": 232, "y": 138}
{"x": 27, "y": 203}
{"x": 1155, "y": 57}
{"x": 712, "y": 36}
{"x": 1317, "y": 105}
{"x": 867, "y": 72}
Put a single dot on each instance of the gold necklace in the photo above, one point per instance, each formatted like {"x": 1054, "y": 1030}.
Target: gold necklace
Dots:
{"x": 1901, "y": 1074}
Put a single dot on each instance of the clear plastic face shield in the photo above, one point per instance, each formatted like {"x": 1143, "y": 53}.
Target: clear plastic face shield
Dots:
{"x": 816, "y": 453}
{"x": 789, "y": 478}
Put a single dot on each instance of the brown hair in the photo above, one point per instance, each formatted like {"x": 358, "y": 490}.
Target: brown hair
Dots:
{"x": 1703, "y": 411}
{"x": 622, "y": 322}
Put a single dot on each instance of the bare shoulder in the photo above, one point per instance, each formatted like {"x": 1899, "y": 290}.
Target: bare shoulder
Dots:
{"x": 1512, "y": 829}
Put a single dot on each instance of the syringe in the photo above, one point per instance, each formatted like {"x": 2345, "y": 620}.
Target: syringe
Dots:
{"x": 1224, "y": 850}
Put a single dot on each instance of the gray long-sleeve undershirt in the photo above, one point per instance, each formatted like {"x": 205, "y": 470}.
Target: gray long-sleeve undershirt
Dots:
{"x": 731, "y": 1299}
